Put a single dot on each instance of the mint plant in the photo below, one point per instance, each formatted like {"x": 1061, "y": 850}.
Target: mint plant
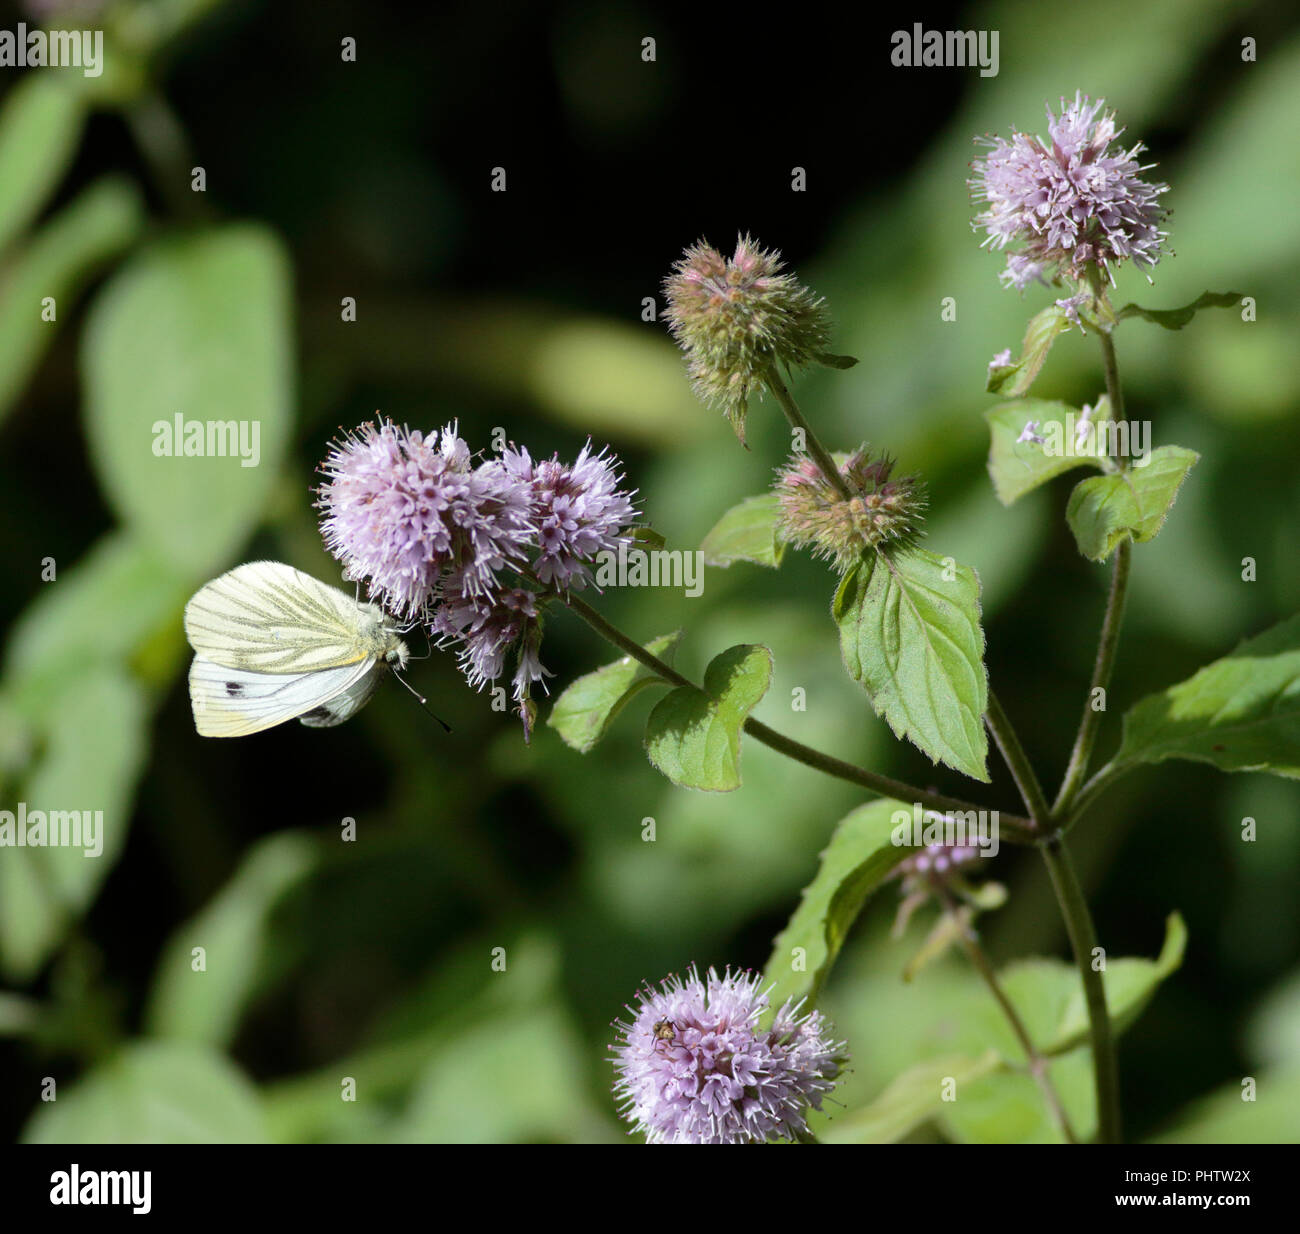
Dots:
{"x": 480, "y": 551}
{"x": 1072, "y": 208}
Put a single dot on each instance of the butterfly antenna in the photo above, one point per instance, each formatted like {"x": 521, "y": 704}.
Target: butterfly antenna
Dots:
{"x": 424, "y": 702}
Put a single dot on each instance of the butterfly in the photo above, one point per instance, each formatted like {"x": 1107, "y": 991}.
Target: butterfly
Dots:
{"x": 273, "y": 644}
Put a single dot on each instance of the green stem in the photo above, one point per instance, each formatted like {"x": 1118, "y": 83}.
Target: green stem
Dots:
{"x": 820, "y": 455}
{"x": 1108, "y": 644}
{"x": 1114, "y": 391}
{"x": 1012, "y": 827}
{"x": 1083, "y": 939}
{"x": 1107, "y": 648}
{"x": 1013, "y": 753}
{"x": 1091, "y": 790}
{"x": 1037, "y": 1063}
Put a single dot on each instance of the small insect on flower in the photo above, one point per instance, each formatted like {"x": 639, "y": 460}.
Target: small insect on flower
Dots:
{"x": 663, "y": 1030}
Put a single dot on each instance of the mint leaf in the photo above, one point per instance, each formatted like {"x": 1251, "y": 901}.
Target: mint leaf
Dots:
{"x": 1105, "y": 509}
{"x": 910, "y": 635}
{"x": 693, "y": 735}
{"x": 1240, "y": 713}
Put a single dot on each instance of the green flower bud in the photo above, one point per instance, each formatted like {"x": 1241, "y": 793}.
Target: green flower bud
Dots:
{"x": 880, "y": 512}
{"x": 737, "y": 319}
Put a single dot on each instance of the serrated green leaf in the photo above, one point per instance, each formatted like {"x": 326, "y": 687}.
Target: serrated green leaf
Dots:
{"x": 1239, "y": 713}
{"x": 1176, "y": 319}
{"x": 1106, "y": 509}
{"x": 860, "y": 856}
{"x": 918, "y": 1094}
{"x": 910, "y": 635}
{"x": 1018, "y": 467}
{"x": 1048, "y": 996}
{"x": 747, "y": 532}
{"x": 195, "y": 326}
{"x": 1013, "y": 380}
{"x": 583, "y": 713}
{"x": 693, "y": 735}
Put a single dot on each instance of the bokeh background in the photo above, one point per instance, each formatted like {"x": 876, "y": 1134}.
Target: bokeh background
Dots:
{"x": 522, "y": 310}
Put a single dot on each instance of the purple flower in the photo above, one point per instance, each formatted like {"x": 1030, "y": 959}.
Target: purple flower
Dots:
{"x": 1071, "y": 305}
{"x": 487, "y": 628}
{"x": 934, "y": 863}
{"x": 400, "y": 508}
{"x": 694, "y": 1067}
{"x": 1070, "y": 202}
{"x": 577, "y": 510}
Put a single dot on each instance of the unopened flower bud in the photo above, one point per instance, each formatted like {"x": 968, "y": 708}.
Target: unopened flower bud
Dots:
{"x": 737, "y": 319}
{"x": 879, "y": 513}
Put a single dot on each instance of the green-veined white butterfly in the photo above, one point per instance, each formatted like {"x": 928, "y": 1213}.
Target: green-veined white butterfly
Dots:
{"x": 273, "y": 644}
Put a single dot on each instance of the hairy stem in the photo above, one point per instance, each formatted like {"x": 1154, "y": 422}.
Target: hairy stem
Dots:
{"x": 820, "y": 455}
{"x": 1013, "y": 753}
{"x": 1083, "y": 940}
{"x": 1107, "y": 648}
{"x": 1108, "y": 644}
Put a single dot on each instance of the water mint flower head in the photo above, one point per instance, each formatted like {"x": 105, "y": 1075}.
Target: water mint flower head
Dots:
{"x": 882, "y": 512}
{"x": 1069, "y": 203}
{"x": 577, "y": 508}
{"x": 485, "y": 629}
{"x": 736, "y": 319}
{"x": 399, "y": 508}
{"x": 694, "y": 1067}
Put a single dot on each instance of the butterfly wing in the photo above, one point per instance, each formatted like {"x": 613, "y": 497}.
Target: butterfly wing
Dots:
{"x": 233, "y": 702}
{"x": 348, "y": 701}
{"x": 267, "y": 617}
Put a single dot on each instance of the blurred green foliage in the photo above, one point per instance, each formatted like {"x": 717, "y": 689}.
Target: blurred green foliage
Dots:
{"x": 373, "y": 960}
